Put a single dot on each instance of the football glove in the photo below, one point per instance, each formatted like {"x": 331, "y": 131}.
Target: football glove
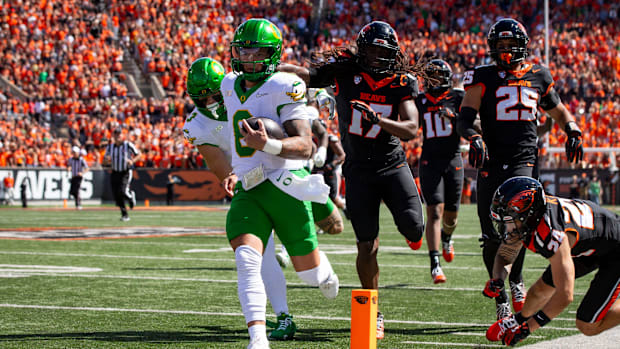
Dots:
{"x": 501, "y": 327}
{"x": 493, "y": 288}
{"x": 478, "y": 152}
{"x": 574, "y": 144}
{"x": 325, "y": 100}
{"x": 516, "y": 335}
{"x": 366, "y": 110}
{"x": 320, "y": 156}
{"x": 447, "y": 113}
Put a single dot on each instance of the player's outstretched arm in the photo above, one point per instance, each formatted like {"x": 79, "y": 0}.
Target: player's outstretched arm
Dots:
{"x": 302, "y": 72}
{"x": 216, "y": 160}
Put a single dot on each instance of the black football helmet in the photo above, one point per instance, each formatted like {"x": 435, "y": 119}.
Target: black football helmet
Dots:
{"x": 440, "y": 73}
{"x": 518, "y": 199}
{"x": 378, "y": 48}
{"x": 508, "y": 28}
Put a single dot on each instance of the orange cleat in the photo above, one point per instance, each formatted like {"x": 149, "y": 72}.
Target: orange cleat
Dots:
{"x": 518, "y": 292}
{"x": 380, "y": 326}
{"x": 448, "y": 251}
{"x": 438, "y": 275}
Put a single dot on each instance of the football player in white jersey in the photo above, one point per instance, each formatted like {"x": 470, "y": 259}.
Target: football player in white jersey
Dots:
{"x": 274, "y": 191}
{"x": 206, "y": 128}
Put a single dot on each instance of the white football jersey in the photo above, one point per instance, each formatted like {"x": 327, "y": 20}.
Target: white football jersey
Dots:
{"x": 202, "y": 130}
{"x": 281, "y": 98}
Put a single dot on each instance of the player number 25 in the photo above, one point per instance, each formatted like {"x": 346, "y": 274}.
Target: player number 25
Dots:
{"x": 510, "y": 97}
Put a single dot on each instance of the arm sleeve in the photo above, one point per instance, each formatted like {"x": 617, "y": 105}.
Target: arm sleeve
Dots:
{"x": 550, "y": 98}
{"x": 465, "y": 122}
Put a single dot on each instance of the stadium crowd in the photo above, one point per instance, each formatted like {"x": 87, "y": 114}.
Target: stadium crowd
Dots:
{"x": 67, "y": 57}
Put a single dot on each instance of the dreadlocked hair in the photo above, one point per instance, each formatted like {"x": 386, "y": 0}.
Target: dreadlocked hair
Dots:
{"x": 346, "y": 54}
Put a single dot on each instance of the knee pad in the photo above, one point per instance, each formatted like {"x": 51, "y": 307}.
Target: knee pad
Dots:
{"x": 250, "y": 287}
{"x": 316, "y": 275}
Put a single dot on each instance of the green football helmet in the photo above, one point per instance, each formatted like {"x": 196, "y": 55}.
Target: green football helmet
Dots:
{"x": 204, "y": 79}
{"x": 250, "y": 37}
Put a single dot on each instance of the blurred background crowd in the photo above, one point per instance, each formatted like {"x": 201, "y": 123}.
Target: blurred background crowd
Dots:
{"x": 68, "y": 67}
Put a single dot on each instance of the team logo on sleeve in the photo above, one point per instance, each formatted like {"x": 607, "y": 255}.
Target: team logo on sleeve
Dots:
{"x": 298, "y": 92}
{"x": 357, "y": 79}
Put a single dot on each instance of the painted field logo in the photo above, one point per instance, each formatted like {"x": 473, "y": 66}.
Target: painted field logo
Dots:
{"x": 362, "y": 299}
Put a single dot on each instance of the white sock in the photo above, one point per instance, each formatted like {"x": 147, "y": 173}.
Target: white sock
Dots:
{"x": 250, "y": 287}
{"x": 257, "y": 331}
{"x": 317, "y": 275}
{"x": 283, "y": 249}
{"x": 273, "y": 278}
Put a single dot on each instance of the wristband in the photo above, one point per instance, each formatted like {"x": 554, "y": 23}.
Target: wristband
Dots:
{"x": 572, "y": 127}
{"x": 273, "y": 146}
{"x": 541, "y": 318}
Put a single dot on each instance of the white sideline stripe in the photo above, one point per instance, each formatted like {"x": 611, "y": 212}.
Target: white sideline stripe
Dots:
{"x": 211, "y": 313}
{"x": 45, "y": 269}
{"x": 447, "y": 267}
{"x": 471, "y": 345}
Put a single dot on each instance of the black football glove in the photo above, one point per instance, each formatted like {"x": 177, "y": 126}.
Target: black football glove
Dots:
{"x": 366, "y": 110}
{"x": 478, "y": 152}
{"x": 513, "y": 337}
{"x": 574, "y": 144}
{"x": 447, "y": 113}
{"x": 493, "y": 288}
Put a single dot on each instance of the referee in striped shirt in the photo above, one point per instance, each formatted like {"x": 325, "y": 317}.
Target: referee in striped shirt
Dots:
{"x": 120, "y": 154}
{"x": 78, "y": 167}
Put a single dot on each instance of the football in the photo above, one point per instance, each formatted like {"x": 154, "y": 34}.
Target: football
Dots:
{"x": 274, "y": 130}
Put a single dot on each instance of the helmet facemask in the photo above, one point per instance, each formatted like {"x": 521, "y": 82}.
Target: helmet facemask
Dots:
{"x": 256, "y": 49}
{"x": 255, "y": 63}
{"x": 377, "y": 59}
{"x": 203, "y": 87}
{"x": 439, "y": 76}
{"x": 509, "y": 54}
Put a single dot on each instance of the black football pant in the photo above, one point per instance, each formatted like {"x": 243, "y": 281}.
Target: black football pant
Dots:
{"x": 120, "y": 181}
{"x": 76, "y": 183}
{"x": 396, "y": 187}
{"x": 489, "y": 179}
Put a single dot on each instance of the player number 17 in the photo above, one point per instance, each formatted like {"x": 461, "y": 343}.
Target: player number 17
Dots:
{"x": 356, "y": 120}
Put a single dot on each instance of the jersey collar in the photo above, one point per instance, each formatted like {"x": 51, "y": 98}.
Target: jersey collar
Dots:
{"x": 375, "y": 85}
{"x": 435, "y": 100}
{"x": 244, "y": 95}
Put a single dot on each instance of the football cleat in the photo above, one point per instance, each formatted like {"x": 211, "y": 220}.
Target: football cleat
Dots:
{"x": 502, "y": 310}
{"x": 330, "y": 286}
{"x": 497, "y": 331}
{"x": 438, "y": 275}
{"x": 447, "y": 250}
{"x": 259, "y": 343}
{"x": 286, "y": 328}
{"x": 125, "y": 218}
{"x": 283, "y": 258}
{"x": 518, "y": 292}
{"x": 415, "y": 245}
{"x": 380, "y": 326}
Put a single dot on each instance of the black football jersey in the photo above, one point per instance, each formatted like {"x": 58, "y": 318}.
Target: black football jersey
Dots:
{"x": 508, "y": 109}
{"x": 597, "y": 230}
{"x": 440, "y": 137}
{"x": 366, "y": 145}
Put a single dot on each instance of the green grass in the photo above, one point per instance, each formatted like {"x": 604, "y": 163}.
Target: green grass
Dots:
{"x": 150, "y": 293}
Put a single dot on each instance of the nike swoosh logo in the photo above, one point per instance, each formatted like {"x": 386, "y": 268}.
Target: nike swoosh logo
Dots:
{"x": 535, "y": 70}
{"x": 458, "y": 168}
{"x": 449, "y": 97}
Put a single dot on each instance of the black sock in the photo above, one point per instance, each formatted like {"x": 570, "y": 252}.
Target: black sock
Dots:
{"x": 434, "y": 255}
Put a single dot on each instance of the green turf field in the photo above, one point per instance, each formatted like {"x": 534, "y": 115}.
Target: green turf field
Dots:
{"x": 180, "y": 292}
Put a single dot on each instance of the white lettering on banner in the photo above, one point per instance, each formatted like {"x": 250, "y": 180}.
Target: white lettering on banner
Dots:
{"x": 49, "y": 185}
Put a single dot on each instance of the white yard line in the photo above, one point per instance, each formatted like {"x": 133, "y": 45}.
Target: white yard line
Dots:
{"x": 211, "y": 313}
